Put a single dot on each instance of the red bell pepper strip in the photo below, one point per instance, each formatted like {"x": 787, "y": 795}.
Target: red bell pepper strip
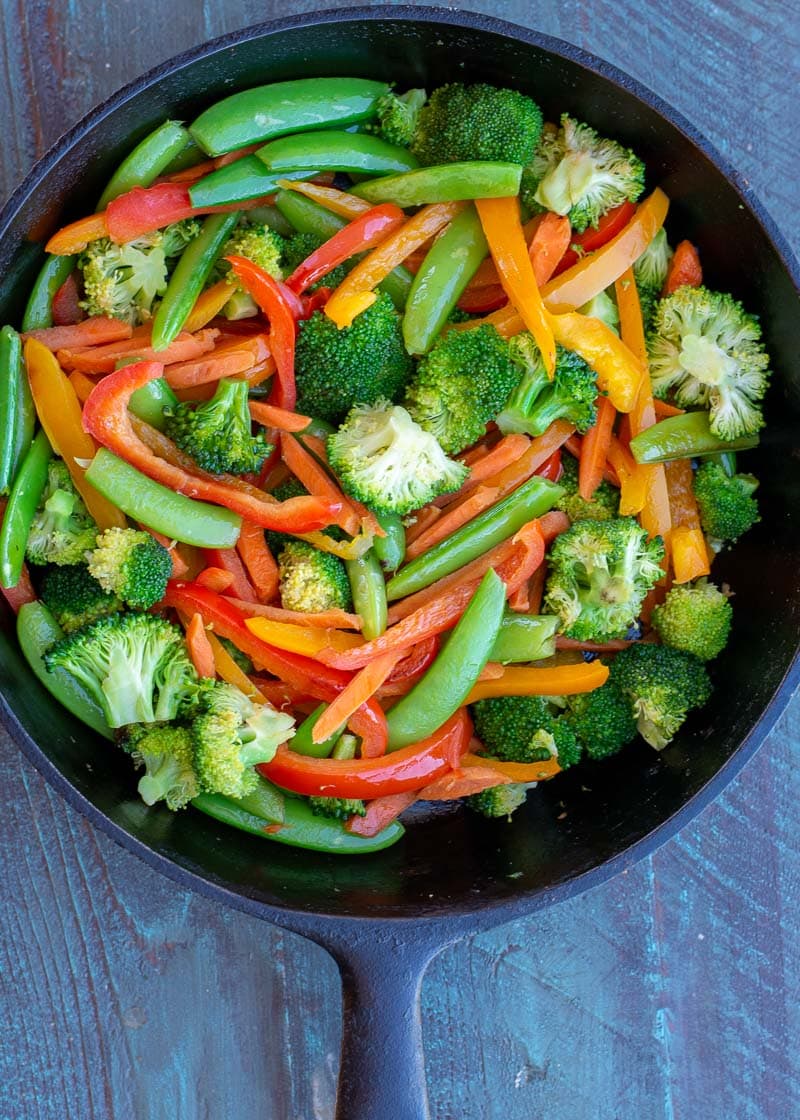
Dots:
{"x": 106, "y": 417}
{"x": 410, "y": 768}
{"x": 480, "y": 301}
{"x": 229, "y": 561}
{"x": 66, "y": 306}
{"x": 609, "y": 226}
{"x": 369, "y": 722}
{"x": 684, "y": 269}
{"x": 144, "y": 209}
{"x": 270, "y": 296}
{"x": 365, "y": 232}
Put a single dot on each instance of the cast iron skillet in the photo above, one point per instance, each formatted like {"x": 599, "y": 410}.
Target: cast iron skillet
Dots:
{"x": 383, "y": 917}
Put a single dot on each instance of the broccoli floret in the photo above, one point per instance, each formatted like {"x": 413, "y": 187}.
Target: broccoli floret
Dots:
{"x": 63, "y": 530}
{"x": 359, "y": 364}
{"x": 166, "y": 752}
{"x": 134, "y": 665}
{"x": 386, "y": 460}
{"x": 499, "y": 801}
{"x": 523, "y": 729}
{"x": 695, "y": 617}
{"x": 726, "y": 504}
{"x": 230, "y": 735}
{"x": 603, "y": 720}
{"x": 218, "y": 433}
{"x": 602, "y": 506}
{"x": 398, "y": 115}
{"x": 311, "y": 580}
{"x": 123, "y": 281}
{"x": 706, "y": 350}
{"x": 602, "y": 307}
{"x": 301, "y": 245}
{"x": 462, "y": 384}
{"x": 651, "y": 269}
{"x": 663, "y": 684}
{"x": 338, "y": 808}
{"x": 259, "y": 244}
{"x": 600, "y": 572}
{"x": 74, "y": 597}
{"x": 477, "y": 122}
{"x": 131, "y": 564}
{"x": 537, "y": 401}
{"x": 582, "y": 175}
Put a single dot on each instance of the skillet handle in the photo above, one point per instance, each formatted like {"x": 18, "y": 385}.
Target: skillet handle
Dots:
{"x": 382, "y": 1073}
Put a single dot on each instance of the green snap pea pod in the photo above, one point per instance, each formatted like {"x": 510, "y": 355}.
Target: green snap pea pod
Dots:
{"x": 308, "y": 216}
{"x": 176, "y": 516}
{"x": 189, "y": 156}
{"x": 532, "y": 499}
{"x": 244, "y": 179}
{"x": 302, "y": 829}
{"x": 450, "y": 264}
{"x": 347, "y": 746}
{"x": 191, "y": 273}
{"x": 727, "y": 460}
{"x": 17, "y": 412}
{"x": 38, "y": 312}
{"x": 369, "y": 593}
{"x": 146, "y": 162}
{"x": 336, "y": 151}
{"x": 152, "y": 402}
{"x": 37, "y": 630}
{"x": 525, "y": 637}
{"x": 302, "y": 743}
{"x": 302, "y": 105}
{"x": 448, "y": 682}
{"x": 449, "y": 182}
{"x": 390, "y": 549}
{"x": 683, "y": 437}
{"x": 319, "y": 428}
{"x": 266, "y": 801}
{"x": 25, "y": 494}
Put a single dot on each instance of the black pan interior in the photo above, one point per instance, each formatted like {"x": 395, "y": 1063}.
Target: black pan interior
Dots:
{"x": 450, "y": 861}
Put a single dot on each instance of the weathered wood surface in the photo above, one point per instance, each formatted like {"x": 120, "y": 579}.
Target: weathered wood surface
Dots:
{"x": 669, "y": 994}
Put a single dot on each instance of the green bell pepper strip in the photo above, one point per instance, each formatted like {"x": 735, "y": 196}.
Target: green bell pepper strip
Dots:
{"x": 37, "y": 630}
{"x": 302, "y": 743}
{"x": 369, "y": 593}
{"x": 244, "y": 179}
{"x": 301, "y": 828}
{"x": 390, "y": 549}
{"x": 38, "y": 312}
{"x": 308, "y": 216}
{"x": 17, "y": 412}
{"x": 448, "y": 682}
{"x": 532, "y": 499}
{"x": 336, "y": 151}
{"x": 176, "y": 516}
{"x": 25, "y": 495}
{"x": 303, "y": 105}
{"x": 450, "y": 264}
{"x": 153, "y": 402}
{"x": 525, "y": 637}
{"x": 146, "y": 162}
{"x": 683, "y": 437}
{"x": 448, "y": 182}
{"x": 189, "y": 277}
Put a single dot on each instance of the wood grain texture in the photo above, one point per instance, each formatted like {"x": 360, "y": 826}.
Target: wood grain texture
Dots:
{"x": 671, "y": 993}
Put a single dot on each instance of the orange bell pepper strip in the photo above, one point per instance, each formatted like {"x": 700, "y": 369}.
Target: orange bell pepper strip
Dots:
{"x": 318, "y": 482}
{"x": 594, "y": 449}
{"x": 106, "y": 417}
{"x": 462, "y": 783}
{"x": 308, "y": 640}
{"x": 333, "y": 619}
{"x": 96, "y": 331}
{"x": 227, "y": 669}
{"x": 338, "y": 202}
{"x": 272, "y": 298}
{"x": 516, "y": 771}
{"x": 632, "y": 482}
{"x": 503, "y": 229}
{"x": 381, "y": 811}
{"x": 410, "y": 768}
{"x": 74, "y": 237}
{"x": 560, "y": 680}
{"x": 364, "y": 684}
{"x": 620, "y": 371}
{"x": 355, "y": 293}
{"x": 200, "y": 648}
{"x": 59, "y": 412}
{"x": 690, "y": 556}
{"x": 208, "y": 304}
{"x": 270, "y": 416}
{"x": 684, "y": 269}
{"x": 258, "y": 560}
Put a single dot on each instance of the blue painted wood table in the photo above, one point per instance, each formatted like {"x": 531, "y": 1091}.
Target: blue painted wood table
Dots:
{"x": 671, "y": 993}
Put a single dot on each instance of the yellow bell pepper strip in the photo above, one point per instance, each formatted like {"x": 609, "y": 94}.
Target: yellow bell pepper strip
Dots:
{"x": 620, "y": 371}
{"x": 208, "y": 304}
{"x": 345, "y": 550}
{"x": 503, "y": 229}
{"x": 516, "y": 771}
{"x": 557, "y": 680}
{"x": 230, "y": 672}
{"x": 338, "y": 202}
{"x": 631, "y": 481}
{"x": 348, "y": 300}
{"x": 301, "y": 639}
{"x": 655, "y": 513}
{"x": 690, "y": 557}
{"x": 59, "y": 412}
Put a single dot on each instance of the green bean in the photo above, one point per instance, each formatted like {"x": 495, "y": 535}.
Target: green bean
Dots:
{"x": 146, "y": 162}
{"x": 525, "y": 637}
{"x": 446, "y": 685}
{"x": 17, "y": 413}
{"x": 369, "y": 593}
{"x": 25, "y": 495}
{"x": 152, "y": 402}
{"x": 390, "y": 549}
{"x": 450, "y": 182}
{"x": 688, "y": 436}
{"x": 191, "y": 273}
{"x": 302, "y": 742}
{"x": 38, "y": 312}
{"x": 336, "y": 151}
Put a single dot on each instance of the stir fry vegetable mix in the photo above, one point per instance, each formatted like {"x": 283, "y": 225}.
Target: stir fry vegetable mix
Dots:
{"x": 323, "y": 501}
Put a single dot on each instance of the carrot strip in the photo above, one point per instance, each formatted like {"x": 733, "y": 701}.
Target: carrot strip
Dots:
{"x": 457, "y": 515}
{"x": 215, "y": 579}
{"x": 318, "y": 482}
{"x": 380, "y": 812}
{"x": 663, "y": 409}
{"x": 258, "y": 560}
{"x": 192, "y": 174}
{"x": 199, "y": 647}
{"x": 361, "y": 687}
{"x": 536, "y": 590}
{"x": 90, "y": 332}
{"x": 594, "y": 449}
{"x": 550, "y": 241}
{"x": 333, "y": 619}
{"x": 270, "y": 416}
{"x": 76, "y": 236}
{"x": 690, "y": 557}
{"x": 684, "y": 269}
{"x": 103, "y": 359}
{"x": 180, "y": 568}
{"x": 208, "y": 370}
{"x": 82, "y": 385}
{"x": 228, "y": 560}
{"x": 489, "y": 462}
{"x": 423, "y": 521}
